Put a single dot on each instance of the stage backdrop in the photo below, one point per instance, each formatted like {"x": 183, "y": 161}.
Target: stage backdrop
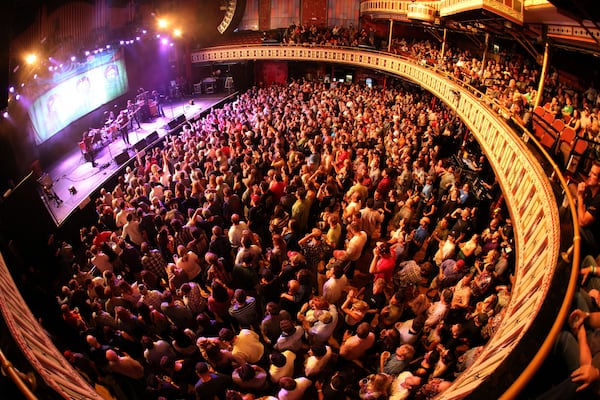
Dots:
{"x": 66, "y": 97}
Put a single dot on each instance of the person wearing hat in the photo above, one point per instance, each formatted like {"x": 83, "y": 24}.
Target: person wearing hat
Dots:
{"x": 451, "y": 271}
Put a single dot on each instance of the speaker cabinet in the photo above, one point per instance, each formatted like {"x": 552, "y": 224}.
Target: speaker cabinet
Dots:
{"x": 151, "y": 138}
{"x": 122, "y": 158}
{"x": 141, "y": 145}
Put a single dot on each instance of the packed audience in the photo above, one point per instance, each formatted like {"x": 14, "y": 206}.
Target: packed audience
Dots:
{"x": 509, "y": 78}
{"x": 302, "y": 241}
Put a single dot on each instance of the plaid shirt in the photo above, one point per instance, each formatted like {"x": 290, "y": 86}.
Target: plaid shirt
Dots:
{"x": 153, "y": 261}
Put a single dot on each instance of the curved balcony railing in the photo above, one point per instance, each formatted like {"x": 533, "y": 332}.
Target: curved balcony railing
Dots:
{"x": 527, "y": 191}
{"x": 399, "y": 9}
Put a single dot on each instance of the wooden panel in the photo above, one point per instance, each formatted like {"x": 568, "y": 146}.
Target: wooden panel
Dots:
{"x": 314, "y": 12}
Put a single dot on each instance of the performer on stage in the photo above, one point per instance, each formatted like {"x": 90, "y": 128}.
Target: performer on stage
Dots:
{"x": 88, "y": 142}
{"x": 133, "y": 111}
{"x": 123, "y": 123}
{"x": 158, "y": 101}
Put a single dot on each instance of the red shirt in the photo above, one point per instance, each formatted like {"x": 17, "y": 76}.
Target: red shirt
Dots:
{"x": 385, "y": 266}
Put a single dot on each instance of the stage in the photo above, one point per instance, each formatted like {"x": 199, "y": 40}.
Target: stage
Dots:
{"x": 72, "y": 170}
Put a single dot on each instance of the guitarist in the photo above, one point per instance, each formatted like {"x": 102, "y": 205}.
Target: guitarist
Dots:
{"x": 133, "y": 111}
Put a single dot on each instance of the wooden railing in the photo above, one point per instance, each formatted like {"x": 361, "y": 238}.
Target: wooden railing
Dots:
{"x": 527, "y": 191}
{"x": 45, "y": 359}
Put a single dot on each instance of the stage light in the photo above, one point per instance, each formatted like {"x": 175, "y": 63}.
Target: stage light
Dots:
{"x": 158, "y": 35}
{"x": 171, "y": 44}
{"x": 5, "y": 114}
{"x": 177, "y": 32}
{"x": 18, "y": 97}
{"x": 11, "y": 89}
{"x": 144, "y": 31}
{"x": 108, "y": 46}
{"x": 137, "y": 38}
{"x": 87, "y": 53}
{"x": 30, "y": 58}
{"x": 50, "y": 68}
{"x": 165, "y": 41}
{"x": 163, "y": 23}
{"x": 73, "y": 58}
{"x": 34, "y": 76}
{"x": 122, "y": 42}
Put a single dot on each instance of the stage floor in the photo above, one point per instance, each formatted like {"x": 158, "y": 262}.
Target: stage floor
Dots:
{"x": 73, "y": 170}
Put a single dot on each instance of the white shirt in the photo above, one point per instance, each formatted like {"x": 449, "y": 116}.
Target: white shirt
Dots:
{"x": 302, "y": 384}
{"x": 287, "y": 370}
{"x": 314, "y": 365}
{"x": 333, "y": 289}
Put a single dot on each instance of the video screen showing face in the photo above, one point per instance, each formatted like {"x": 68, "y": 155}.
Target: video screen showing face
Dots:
{"x": 74, "y": 94}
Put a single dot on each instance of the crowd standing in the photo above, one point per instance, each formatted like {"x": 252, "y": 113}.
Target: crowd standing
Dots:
{"x": 308, "y": 240}
{"x": 302, "y": 241}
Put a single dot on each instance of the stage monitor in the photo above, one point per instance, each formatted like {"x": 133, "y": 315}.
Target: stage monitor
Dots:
{"x": 122, "y": 158}
{"x": 151, "y": 138}
{"x": 72, "y": 92}
{"x": 141, "y": 145}
{"x": 181, "y": 119}
{"x": 174, "y": 123}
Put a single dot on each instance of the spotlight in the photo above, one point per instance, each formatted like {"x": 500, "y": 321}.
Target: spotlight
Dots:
{"x": 18, "y": 97}
{"x": 72, "y": 190}
{"x": 87, "y": 53}
{"x": 30, "y": 58}
{"x": 137, "y": 38}
{"x": 108, "y": 46}
{"x": 11, "y": 89}
{"x": 122, "y": 42}
{"x": 164, "y": 41}
{"x": 5, "y": 114}
{"x": 73, "y": 58}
